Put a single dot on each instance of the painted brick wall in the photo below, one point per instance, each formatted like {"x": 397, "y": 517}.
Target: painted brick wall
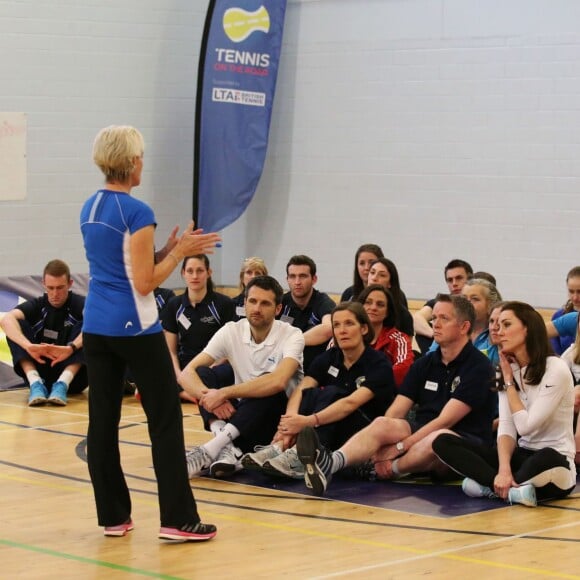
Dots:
{"x": 436, "y": 128}
{"x": 75, "y": 67}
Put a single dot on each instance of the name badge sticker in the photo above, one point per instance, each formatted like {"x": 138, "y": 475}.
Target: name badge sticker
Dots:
{"x": 333, "y": 371}
{"x": 241, "y": 311}
{"x": 184, "y": 321}
{"x": 431, "y": 385}
{"x": 48, "y": 333}
{"x": 288, "y": 319}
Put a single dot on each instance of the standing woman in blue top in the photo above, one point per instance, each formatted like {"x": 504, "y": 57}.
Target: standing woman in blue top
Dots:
{"x": 121, "y": 329}
{"x": 191, "y": 319}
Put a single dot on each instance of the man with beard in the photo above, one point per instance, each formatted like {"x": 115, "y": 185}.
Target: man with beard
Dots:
{"x": 266, "y": 357}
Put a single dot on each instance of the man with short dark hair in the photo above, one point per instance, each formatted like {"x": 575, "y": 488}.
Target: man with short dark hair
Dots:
{"x": 451, "y": 390}
{"x": 44, "y": 336}
{"x": 456, "y": 272}
{"x": 306, "y": 308}
{"x": 266, "y": 357}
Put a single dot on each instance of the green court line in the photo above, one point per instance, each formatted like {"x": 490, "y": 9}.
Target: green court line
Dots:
{"x": 100, "y": 563}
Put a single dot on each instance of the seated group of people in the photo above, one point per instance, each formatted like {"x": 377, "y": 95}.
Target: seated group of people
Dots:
{"x": 295, "y": 386}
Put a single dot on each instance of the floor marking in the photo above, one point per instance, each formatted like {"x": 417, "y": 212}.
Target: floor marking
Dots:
{"x": 255, "y": 509}
{"x": 450, "y": 555}
{"x": 99, "y": 563}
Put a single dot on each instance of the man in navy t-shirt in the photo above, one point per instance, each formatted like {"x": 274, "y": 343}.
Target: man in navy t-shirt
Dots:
{"x": 306, "y": 308}
{"x": 44, "y": 336}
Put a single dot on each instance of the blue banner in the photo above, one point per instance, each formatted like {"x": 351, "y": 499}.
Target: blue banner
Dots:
{"x": 237, "y": 80}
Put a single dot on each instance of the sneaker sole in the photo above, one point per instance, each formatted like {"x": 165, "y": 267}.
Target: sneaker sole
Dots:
{"x": 271, "y": 470}
{"x": 249, "y": 463}
{"x": 37, "y": 402}
{"x": 57, "y": 402}
{"x": 307, "y": 447}
{"x": 183, "y": 537}
{"x": 219, "y": 470}
{"x": 117, "y": 533}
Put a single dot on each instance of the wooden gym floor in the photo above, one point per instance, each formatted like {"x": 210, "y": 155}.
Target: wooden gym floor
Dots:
{"x": 267, "y": 529}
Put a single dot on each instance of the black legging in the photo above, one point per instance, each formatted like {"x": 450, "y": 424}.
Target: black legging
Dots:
{"x": 481, "y": 463}
{"x": 148, "y": 360}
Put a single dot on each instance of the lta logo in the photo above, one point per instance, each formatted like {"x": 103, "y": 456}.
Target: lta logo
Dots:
{"x": 239, "y": 24}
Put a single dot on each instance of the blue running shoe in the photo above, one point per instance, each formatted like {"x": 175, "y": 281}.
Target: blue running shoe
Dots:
{"x": 525, "y": 494}
{"x": 58, "y": 394}
{"x": 38, "y": 394}
{"x": 473, "y": 489}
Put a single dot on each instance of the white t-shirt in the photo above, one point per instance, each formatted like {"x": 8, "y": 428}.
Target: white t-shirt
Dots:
{"x": 250, "y": 360}
{"x": 546, "y": 420}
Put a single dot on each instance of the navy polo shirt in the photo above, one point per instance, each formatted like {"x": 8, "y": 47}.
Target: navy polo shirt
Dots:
{"x": 372, "y": 370}
{"x": 319, "y": 305}
{"x": 239, "y": 301}
{"x": 468, "y": 378}
{"x": 195, "y": 325}
{"x": 53, "y": 325}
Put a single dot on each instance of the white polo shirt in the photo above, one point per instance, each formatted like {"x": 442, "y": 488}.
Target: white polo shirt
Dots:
{"x": 250, "y": 360}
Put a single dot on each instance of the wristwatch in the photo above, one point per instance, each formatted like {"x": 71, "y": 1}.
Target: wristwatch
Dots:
{"x": 400, "y": 446}
{"x": 73, "y": 346}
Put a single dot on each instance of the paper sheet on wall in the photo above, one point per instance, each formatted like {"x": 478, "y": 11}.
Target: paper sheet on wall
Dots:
{"x": 12, "y": 156}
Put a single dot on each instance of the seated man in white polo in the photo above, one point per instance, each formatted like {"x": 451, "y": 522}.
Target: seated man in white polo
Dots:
{"x": 266, "y": 356}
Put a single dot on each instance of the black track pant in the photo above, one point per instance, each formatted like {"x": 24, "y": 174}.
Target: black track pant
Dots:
{"x": 148, "y": 360}
{"x": 546, "y": 469}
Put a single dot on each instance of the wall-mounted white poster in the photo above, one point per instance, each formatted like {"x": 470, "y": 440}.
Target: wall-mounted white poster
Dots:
{"x": 12, "y": 156}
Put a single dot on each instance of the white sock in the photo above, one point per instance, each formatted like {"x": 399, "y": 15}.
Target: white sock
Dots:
{"x": 221, "y": 439}
{"x": 66, "y": 377}
{"x": 33, "y": 376}
{"x": 338, "y": 461}
{"x": 217, "y": 426}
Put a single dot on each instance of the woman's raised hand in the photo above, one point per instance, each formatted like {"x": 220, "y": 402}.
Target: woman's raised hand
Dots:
{"x": 193, "y": 241}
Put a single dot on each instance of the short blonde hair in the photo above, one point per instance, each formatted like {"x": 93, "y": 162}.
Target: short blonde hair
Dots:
{"x": 254, "y": 263}
{"x": 115, "y": 149}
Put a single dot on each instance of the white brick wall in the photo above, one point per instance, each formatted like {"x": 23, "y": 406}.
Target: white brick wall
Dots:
{"x": 436, "y": 128}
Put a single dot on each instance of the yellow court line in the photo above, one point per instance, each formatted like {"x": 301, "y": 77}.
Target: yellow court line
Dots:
{"x": 448, "y": 555}
{"x": 419, "y": 553}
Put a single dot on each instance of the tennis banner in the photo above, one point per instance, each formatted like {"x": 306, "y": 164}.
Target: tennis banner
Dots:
{"x": 237, "y": 75}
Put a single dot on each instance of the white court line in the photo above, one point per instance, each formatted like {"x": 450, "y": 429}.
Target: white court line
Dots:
{"x": 453, "y": 551}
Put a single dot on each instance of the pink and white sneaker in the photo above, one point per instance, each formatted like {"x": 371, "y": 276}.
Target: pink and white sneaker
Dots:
{"x": 119, "y": 530}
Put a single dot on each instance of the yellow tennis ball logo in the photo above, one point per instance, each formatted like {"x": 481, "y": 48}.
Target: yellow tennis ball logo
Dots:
{"x": 239, "y": 23}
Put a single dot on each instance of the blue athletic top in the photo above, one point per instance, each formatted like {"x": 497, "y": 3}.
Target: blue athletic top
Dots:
{"x": 113, "y": 306}
{"x": 567, "y": 324}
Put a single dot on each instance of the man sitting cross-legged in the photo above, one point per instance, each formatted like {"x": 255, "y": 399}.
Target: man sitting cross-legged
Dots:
{"x": 345, "y": 389}
{"x": 266, "y": 357}
{"x": 45, "y": 340}
{"x": 451, "y": 390}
